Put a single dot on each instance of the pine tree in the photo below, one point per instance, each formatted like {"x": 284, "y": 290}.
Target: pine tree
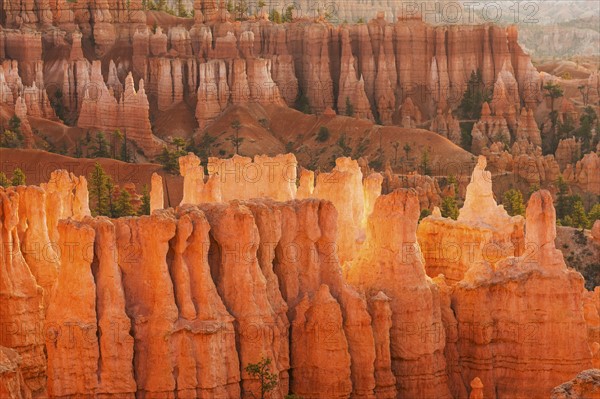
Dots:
{"x": 99, "y": 191}
{"x": 562, "y": 199}
{"x": 553, "y": 91}
{"x": 123, "y": 206}
{"x": 474, "y": 97}
{"x": 268, "y": 381}
{"x": 18, "y": 178}
{"x": 449, "y": 208}
{"x": 100, "y": 149}
{"x": 14, "y": 124}
{"x": 78, "y": 149}
{"x": 236, "y": 140}
{"x": 125, "y": 155}
{"x": 181, "y": 11}
{"x": 425, "y": 168}
{"x": 289, "y": 14}
{"x": 578, "y": 216}
{"x": 4, "y": 182}
{"x": 323, "y": 134}
{"x": 407, "y": 150}
{"x": 470, "y": 107}
{"x": 594, "y": 215}
{"x": 113, "y": 192}
{"x": 275, "y": 16}
{"x": 396, "y": 146}
{"x": 586, "y": 124}
{"x": 349, "y": 107}
{"x": 145, "y": 206}
{"x": 513, "y": 202}
{"x": 10, "y": 139}
{"x": 205, "y": 146}
{"x": 344, "y": 144}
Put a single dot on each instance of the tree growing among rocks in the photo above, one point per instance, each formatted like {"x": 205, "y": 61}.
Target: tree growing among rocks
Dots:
{"x": 99, "y": 191}
{"x": 513, "y": 202}
{"x": 261, "y": 371}
{"x": 18, "y": 178}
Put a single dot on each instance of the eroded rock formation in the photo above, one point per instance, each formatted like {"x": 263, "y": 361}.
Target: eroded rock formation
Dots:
{"x": 519, "y": 281}
{"x": 100, "y": 109}
{"x": 417, "y": 338}
{"x": 585, "y": 385}
{"x": 178, "y": 303}
{"x": 483, "y": 232}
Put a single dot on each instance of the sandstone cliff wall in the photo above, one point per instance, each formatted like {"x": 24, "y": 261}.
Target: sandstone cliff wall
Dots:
{"x": 213, "y": 62}
{"x": 176, "y": 304}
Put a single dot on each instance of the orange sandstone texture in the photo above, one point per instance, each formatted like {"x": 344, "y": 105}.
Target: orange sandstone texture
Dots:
{"x": 21, "y": 298}
{"x": 176, "y": 304}
{"x": 73, "y": 357}
{"x": 381, "y": 313}
{"x": 483, "y": 232}
{"x": 417, "y": 337}
{"x": 320, "y": 357}
{"x": 12, "y": 384}
{"x": 585, "y": 385}
{"x": 243, "y": 287}
{"x": 157, "y": 200}
{"x": 494, "y": 321}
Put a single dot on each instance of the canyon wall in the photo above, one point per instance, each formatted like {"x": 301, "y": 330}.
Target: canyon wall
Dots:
{"x": 214, "y": 61}
{"x": 180, "y": 302}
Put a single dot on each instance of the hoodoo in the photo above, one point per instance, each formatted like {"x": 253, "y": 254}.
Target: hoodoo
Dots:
{"x": 210, "y": 199}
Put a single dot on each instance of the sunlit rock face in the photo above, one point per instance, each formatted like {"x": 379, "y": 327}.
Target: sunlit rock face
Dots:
{"x": 149, "y": 318}
{"x": 417, "y": 336}
{"x": 585, "y": 173}
{"x": 130, "y": 112}
{"x": 156, "y": 193}
{"x": 178, "y": 303}
{"x": 483, "y": 232}
{"x": 21, "y": 298}
{"x": 262, "y": 177}
{"x": 74, "y": 304}
{"x": 396, "y": 72}
{"x": 505, "y": 328}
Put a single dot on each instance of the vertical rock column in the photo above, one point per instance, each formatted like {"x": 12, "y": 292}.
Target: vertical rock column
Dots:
{"x": 71, "y": 316}
{"x": 320, "y": 358}
{"x": 143, "y": 244}
{"x": 21, "y": 299}
{"x": 268, "y": 222}
{"x": 417, "y": 334}
{"x": 157, "y": 200}
{"x": 507, "y": 315}
{"x": 115, "y": 344}
{"x": 243, "y": 287}
{"x": 213, "y": 342}
{"x": 381, "y": 314}
{"x": 39, "y": 252}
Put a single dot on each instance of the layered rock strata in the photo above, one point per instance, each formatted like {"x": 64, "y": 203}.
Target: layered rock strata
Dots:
{"x": 213, "y": 62}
